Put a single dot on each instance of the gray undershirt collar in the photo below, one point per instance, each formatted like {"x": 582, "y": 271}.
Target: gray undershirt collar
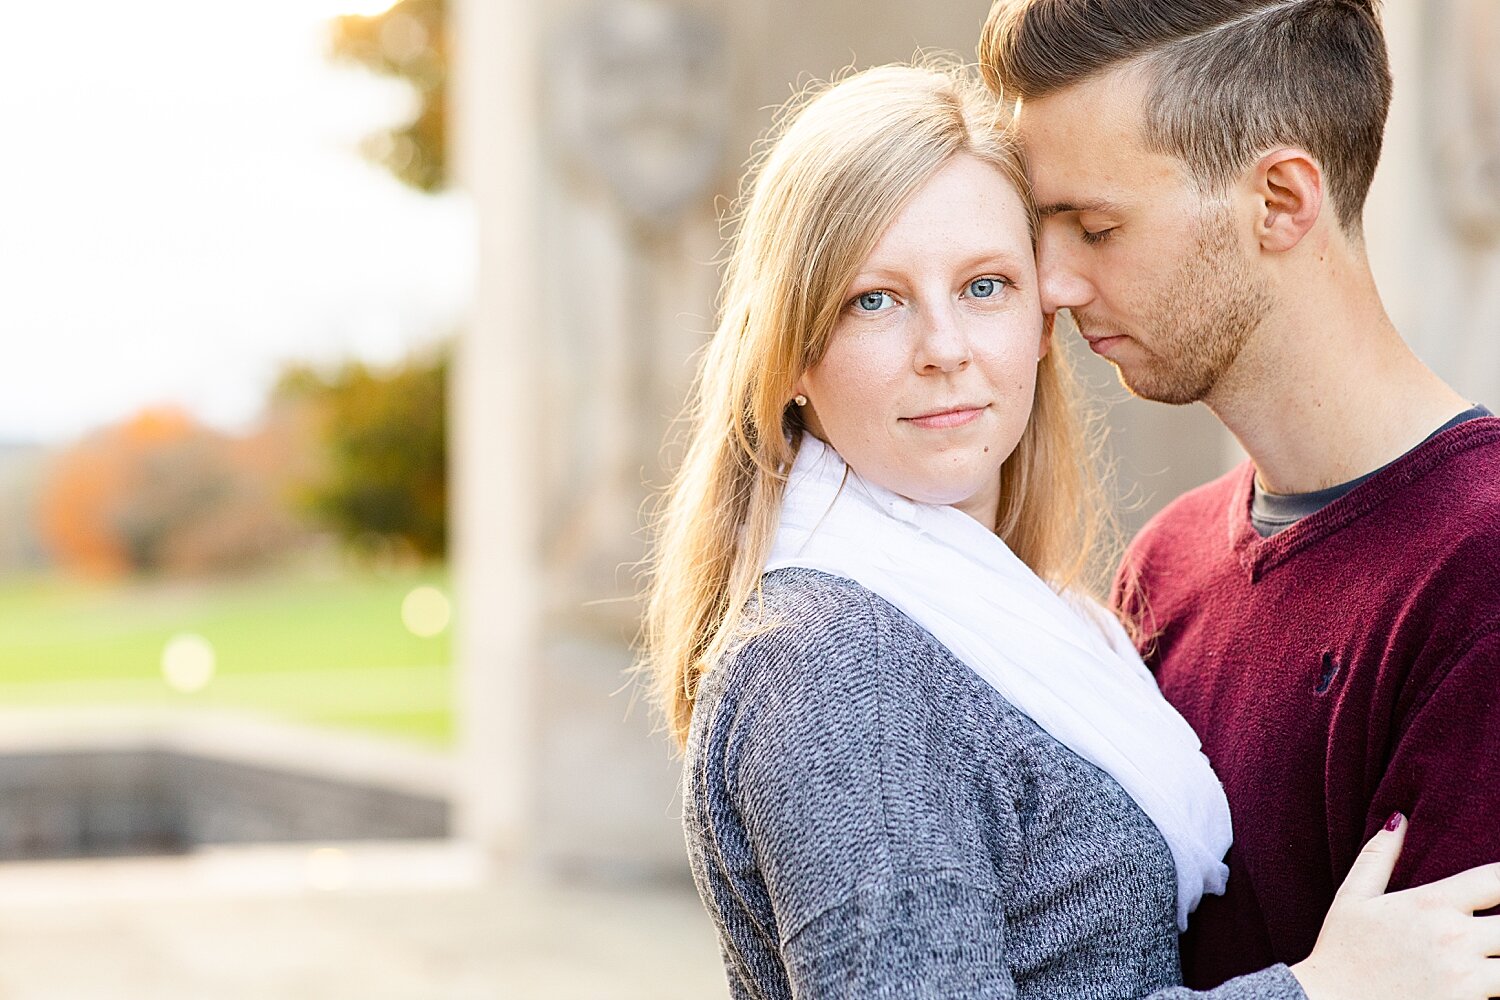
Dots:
{"x": 1271, "y": 513}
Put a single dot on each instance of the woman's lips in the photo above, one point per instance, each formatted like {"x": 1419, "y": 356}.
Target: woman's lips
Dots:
{"x": 946, "y": 419}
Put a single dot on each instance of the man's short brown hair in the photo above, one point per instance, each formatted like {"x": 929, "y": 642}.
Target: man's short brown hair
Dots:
{"x": 1228, "y": 79}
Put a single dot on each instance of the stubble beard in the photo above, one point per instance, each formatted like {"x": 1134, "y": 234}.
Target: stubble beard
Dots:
{"x": 1200, "y": 320}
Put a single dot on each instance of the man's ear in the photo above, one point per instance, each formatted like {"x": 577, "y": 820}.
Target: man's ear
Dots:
{"x": 1288, "y": 186}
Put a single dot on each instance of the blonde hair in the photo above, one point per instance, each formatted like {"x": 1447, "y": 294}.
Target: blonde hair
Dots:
{"x": 841, "y": 162}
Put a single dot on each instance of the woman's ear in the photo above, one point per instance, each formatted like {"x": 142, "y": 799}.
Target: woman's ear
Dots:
{"x": 1288, "y": 185}
{"x": 1049, "y": 321}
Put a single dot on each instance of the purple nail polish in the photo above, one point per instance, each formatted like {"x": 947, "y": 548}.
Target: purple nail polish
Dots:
{"x": 1395, "y": 821}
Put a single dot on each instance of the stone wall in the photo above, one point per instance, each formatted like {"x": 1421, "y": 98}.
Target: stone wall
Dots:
{"x": 79, "y": 783}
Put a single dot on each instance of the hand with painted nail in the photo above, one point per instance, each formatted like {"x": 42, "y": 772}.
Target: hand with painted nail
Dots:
{"x": 1421, "y": 942}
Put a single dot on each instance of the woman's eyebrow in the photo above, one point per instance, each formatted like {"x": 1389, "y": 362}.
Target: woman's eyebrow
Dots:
{"x": 1004, "y": 257}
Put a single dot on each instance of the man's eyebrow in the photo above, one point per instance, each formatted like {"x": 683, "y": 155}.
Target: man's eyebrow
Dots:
{"x": 1097, "y": 205}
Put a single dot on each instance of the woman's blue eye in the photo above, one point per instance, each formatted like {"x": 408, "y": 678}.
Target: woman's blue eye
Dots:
{"x": 983, "y": 288}
{"x": 872, "y": 301}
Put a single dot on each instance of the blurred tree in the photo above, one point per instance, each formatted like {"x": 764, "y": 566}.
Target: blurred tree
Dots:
{"x": 160, "y": 492}
{"x": 73, "y": 509}
{"x": 21, "y": 548}
{"x": 408, "y": 41}
{"x": 385, "y": 433}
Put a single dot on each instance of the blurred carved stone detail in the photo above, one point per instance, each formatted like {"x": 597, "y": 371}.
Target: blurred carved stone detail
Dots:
{"x": 640, "y": 97}
{"x": 637, "y": 101}
{"x": 1465, "y": 107}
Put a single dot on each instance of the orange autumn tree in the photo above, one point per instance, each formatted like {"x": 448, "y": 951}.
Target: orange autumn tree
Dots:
{"x": 70, "y": 511}
{"x": 161, "y": 493}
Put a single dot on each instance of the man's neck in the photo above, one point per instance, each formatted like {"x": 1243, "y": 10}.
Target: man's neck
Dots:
{"x": 1329, "y": 394}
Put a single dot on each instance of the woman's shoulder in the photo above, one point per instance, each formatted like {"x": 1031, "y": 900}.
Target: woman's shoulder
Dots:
{"x": 838, "y": 713}
{"x": 812, "y": 597}
{"x": 824, "y": 657}
{"x": 825, "y": 626}
{"x": 801, "y": 633}
{"x": 802, "y": 681}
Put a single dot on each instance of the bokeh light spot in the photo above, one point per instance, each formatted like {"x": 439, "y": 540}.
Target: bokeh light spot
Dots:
{"x": 426, "y": 612}
{"x": 327, "y": 868}
{"x": 187, "y": 662}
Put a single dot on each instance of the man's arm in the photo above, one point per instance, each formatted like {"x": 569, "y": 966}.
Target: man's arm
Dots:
{"x": 1444, "y": 771}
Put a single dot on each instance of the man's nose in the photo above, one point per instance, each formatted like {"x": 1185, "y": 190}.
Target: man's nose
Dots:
{"x": 1061, "y": 281}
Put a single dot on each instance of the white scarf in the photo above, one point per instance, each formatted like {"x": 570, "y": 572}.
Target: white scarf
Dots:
{"x": 1063, "y": 661}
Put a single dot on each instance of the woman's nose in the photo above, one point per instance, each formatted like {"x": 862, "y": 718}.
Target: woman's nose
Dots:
{"x": 944, "y": 344}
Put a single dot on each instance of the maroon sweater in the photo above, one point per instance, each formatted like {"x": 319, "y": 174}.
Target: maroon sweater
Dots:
{"x": 1339, "y": 671}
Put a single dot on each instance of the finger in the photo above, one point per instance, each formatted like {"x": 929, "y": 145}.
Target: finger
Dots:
{"x": 1475, "y": 889}
{"x": 1487, "y": 936}
{"x": 1372, "y": 869}
{"x": 1487, "y": 982}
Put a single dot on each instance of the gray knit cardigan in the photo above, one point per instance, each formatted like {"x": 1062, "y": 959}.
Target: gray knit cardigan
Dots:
{"x": 867, "y": 818}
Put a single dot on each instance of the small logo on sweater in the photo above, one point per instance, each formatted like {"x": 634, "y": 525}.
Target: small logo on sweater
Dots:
{"x": 1329, "y": 671}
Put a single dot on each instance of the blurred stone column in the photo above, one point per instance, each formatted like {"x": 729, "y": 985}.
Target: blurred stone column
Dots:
{"x": 1464, "y": 125}
{"x": 591, "y": 137}
{"x": 497, "y": 439}
{"x": 637, "y": 97}
{"x": 1433, "y": 218}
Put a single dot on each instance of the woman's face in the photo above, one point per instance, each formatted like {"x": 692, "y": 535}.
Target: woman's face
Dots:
{"x": 929, "y": 376}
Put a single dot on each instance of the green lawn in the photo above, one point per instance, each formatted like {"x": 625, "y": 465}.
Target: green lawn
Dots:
{"x": 330, "y": 651}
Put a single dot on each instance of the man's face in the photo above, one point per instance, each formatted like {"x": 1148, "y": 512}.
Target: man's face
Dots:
{"x": 1160, "y": 280}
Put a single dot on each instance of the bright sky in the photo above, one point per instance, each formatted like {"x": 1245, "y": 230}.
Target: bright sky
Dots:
{"x": 183, "y": 207}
